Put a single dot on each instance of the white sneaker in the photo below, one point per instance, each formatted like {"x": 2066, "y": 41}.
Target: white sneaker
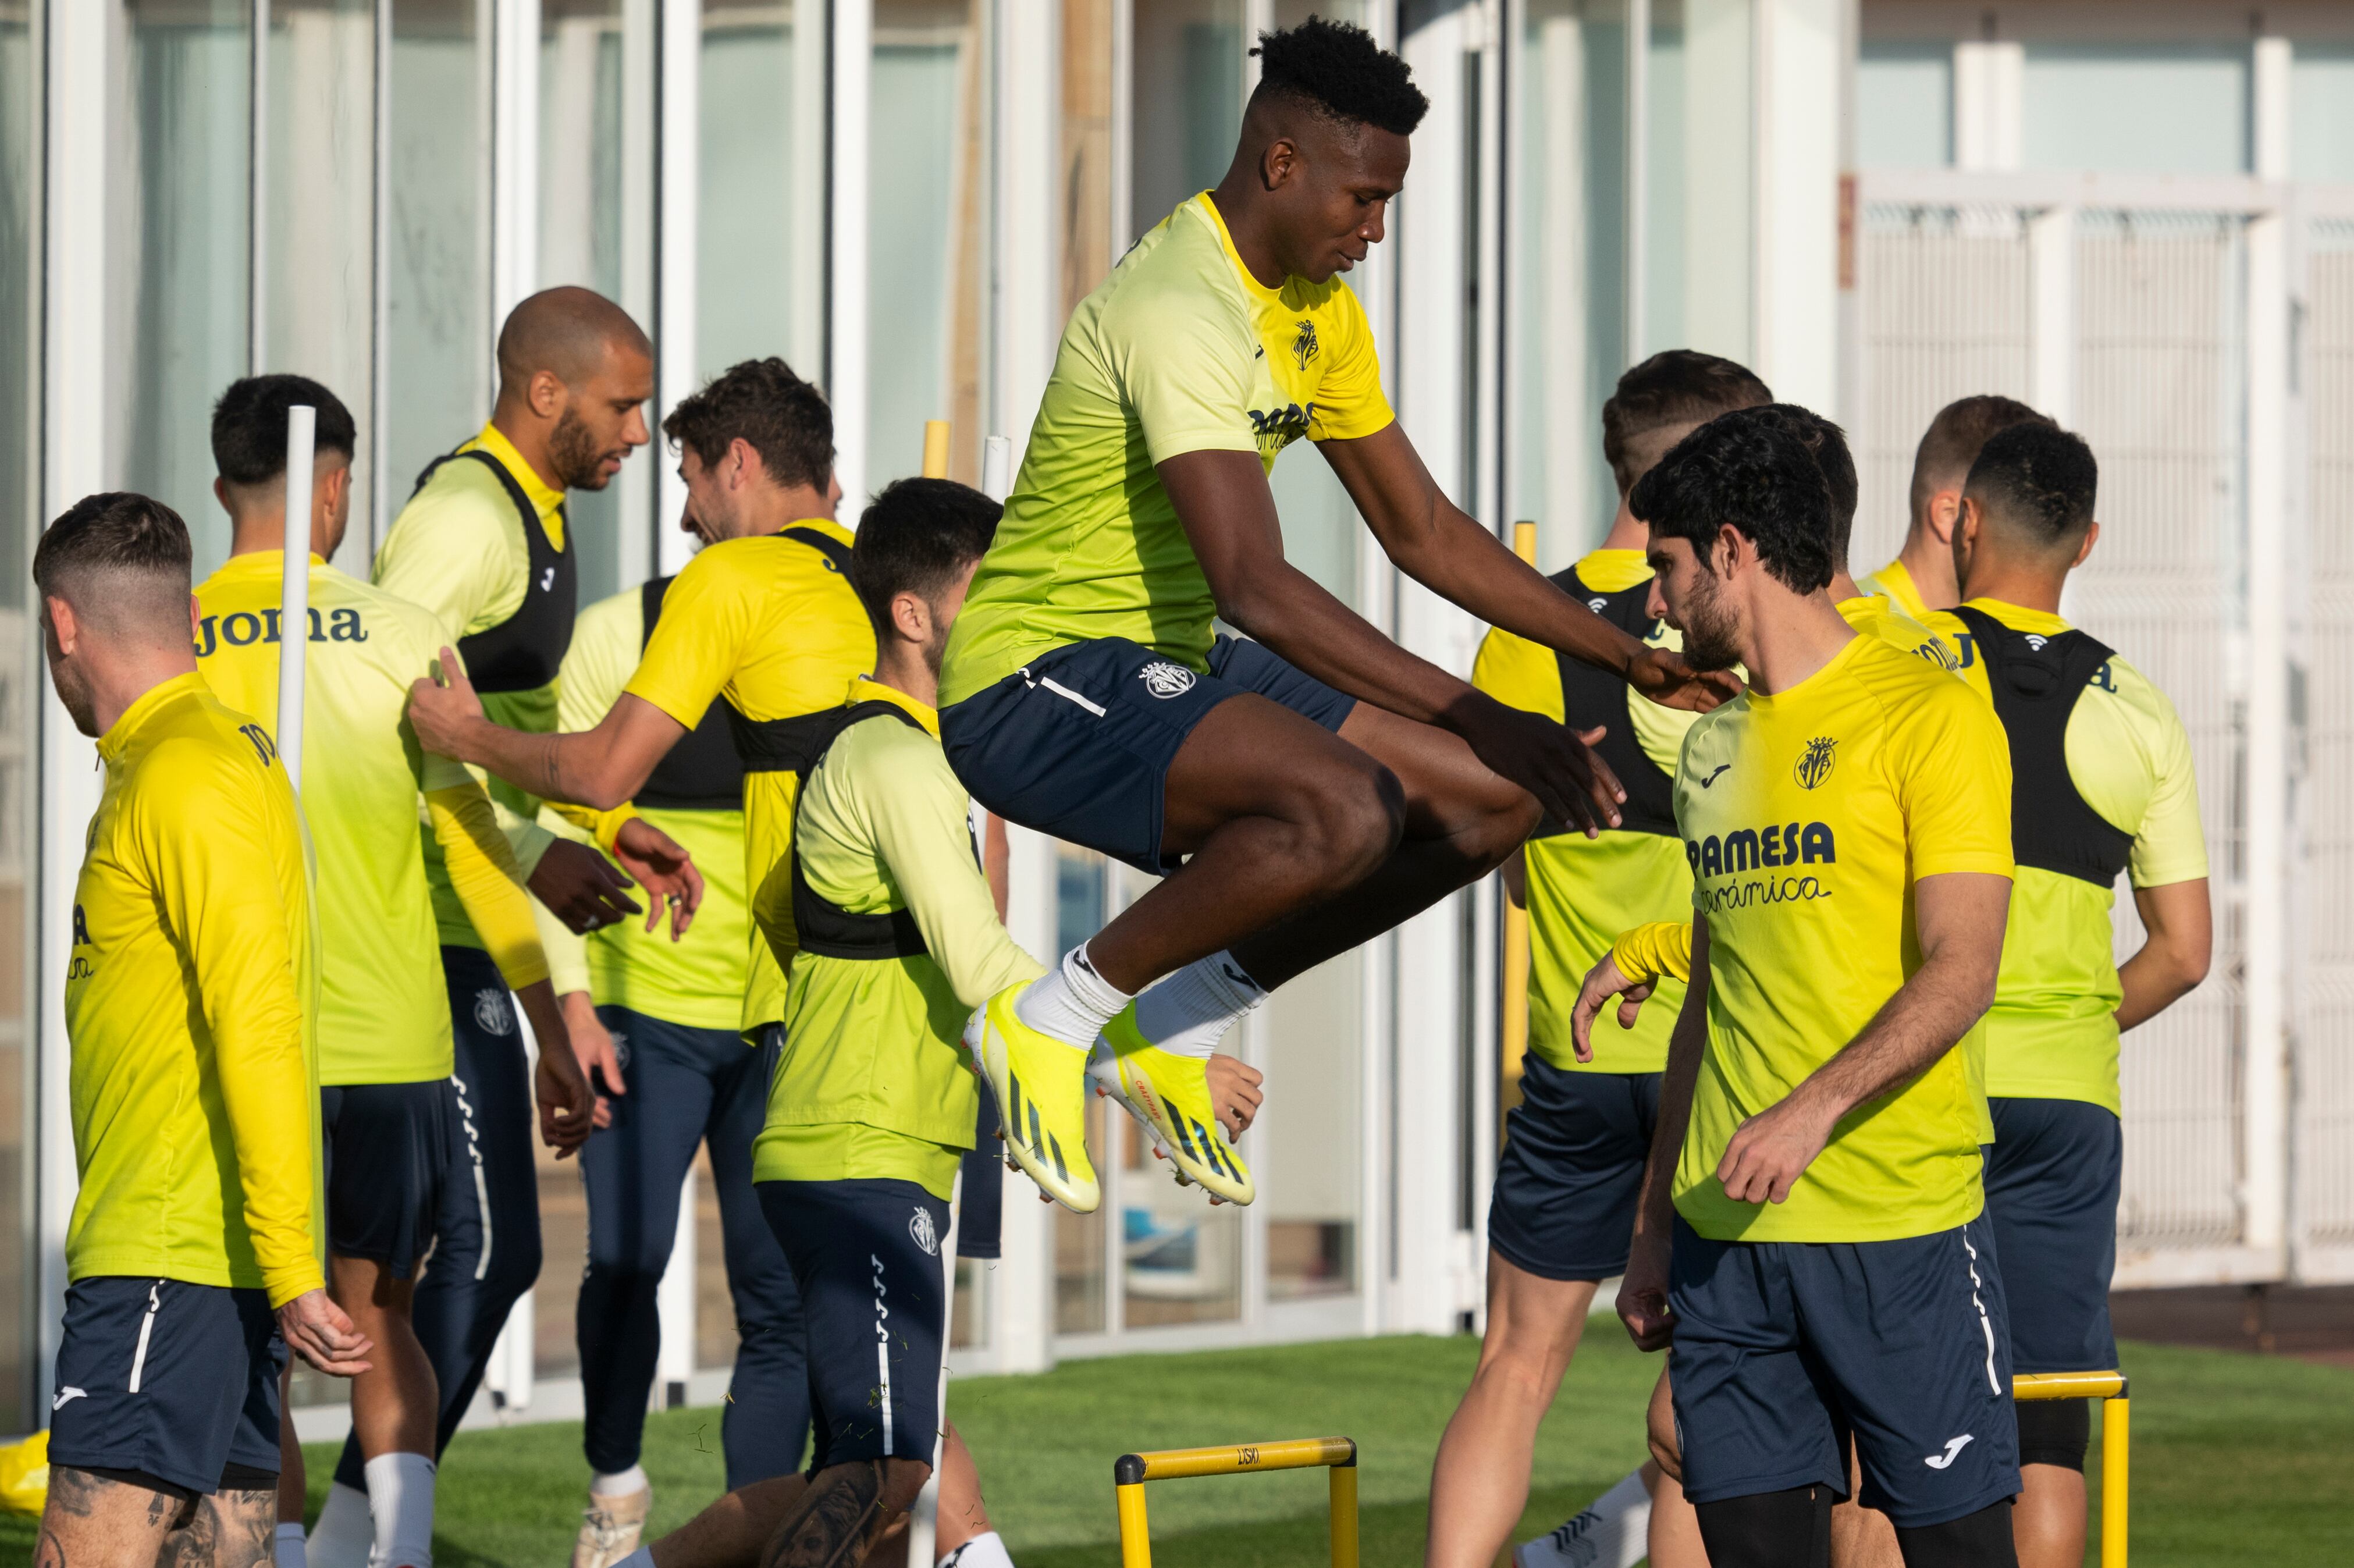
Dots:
{"x": 610, "y": 1528}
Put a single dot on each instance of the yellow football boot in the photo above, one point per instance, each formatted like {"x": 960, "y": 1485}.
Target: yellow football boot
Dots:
{"x": 1171, "y": 1095}
{"x": 1041, "y": 1100}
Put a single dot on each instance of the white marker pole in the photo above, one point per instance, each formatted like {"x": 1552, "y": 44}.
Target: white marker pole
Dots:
{"x": 295, "y": 592}
{"x": 997, "y": 467}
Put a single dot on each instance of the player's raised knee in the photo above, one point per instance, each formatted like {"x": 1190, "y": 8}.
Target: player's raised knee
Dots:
{"x": 1355, "y": 820}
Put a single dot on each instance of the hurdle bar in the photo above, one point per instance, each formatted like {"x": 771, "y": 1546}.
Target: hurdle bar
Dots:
{"x": 1337, "y": 1454}
{"x": 2117, "y": 1442}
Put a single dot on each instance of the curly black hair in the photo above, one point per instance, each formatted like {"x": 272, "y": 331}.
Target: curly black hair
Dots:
{"x": 2038, "y": 479}
{"x": 1337, "y": 69}
{"x": 1748, "y": 468}
{"x": 1827, "y": 443}
{"x": 786, "y": 420}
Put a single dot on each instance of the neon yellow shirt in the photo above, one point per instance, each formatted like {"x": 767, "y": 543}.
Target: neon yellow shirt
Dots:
{"x": 875, "y": 1081}
{"x": 720, "y": 975}
{"x": 2053, "y": 1031}
{"x": 1583, "y": 892}
{"x": 770, "y": 622}
{"x": 458, "y": 549}
{"x": 1808, "y": 817}
{"x": 194, "y": 1079}
{"x": 384, "y": 1012}
{"x": 1180, "y": 350}
{"x": 1894, "y": 582}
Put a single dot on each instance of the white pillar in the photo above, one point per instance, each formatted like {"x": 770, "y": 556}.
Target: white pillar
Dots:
{"x": 1025, "y": 1273}
{"x": 515, "y": 157}
{"x": 680, "y": 151}
{"x": 1719, "y": 155}
{"x": 1989, "y": 86}
{"x": 854, "y": 60}
{"x": 1799, "y": 64}
{"x": 675, "y": 1302}
{"x": 2264, "y": 1107}
{"x": 2052, "y": 318}
{"x": 1028, "y": 322}
{"x": 2270, "y": 95}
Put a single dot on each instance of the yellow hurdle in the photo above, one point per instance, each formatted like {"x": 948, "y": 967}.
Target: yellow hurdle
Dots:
{"x": 1339, "y": 1454}
{"x": 2117, "y": 1442}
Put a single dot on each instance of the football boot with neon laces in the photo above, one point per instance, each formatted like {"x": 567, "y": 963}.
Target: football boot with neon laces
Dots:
{"x": 1040, "y": 1084}
{"x": 1171, "y": 1096}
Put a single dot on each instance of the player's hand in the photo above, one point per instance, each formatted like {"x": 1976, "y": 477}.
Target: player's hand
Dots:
{"x": 1604, "y": 981}
{"x": 581, "y": 887}
{"x": 1643, "y": 1294}
{"x": 1772, "y": 1149}
{"x": 1552, "y": 762}
{"x": 319, "y": 1331}
{"x": 593, "y": 1047}
{"x": 1235, "y": 1094}
{"x": 567, "y": 1106}
{"x": 664, "y": 870}
{"x": 442, "y": 710}
{"x": 1663, "y": 676}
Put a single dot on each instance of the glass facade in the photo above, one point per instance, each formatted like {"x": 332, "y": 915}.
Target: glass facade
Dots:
{"x": 761, "y": 209}
{"x": 20, "y": 669}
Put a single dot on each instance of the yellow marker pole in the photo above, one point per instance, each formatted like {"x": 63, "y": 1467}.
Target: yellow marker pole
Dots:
{"x": 1516, "y": 936}
{"x": 1344, "y": 1514}
{"x": 1130, "y": 1471}
{"x": 2116, "y": 1443}
{"x": 1135, "y": 1535}
{"x": 935, "y": 449}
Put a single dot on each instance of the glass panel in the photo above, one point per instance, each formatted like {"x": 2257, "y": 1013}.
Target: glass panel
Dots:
{"x": 760, "y": 233}
{"x": 179, "y": 251}
{"x": 1697, "y": 232}
{"x": 926, "y": 233}
{"x": 2321, "y": 112}
{"x": 1568, "y": 284}
{"x": 20, "y": 304}
{"x": 1905, "y": 106}
{"x": 438, "y": 289}
{"x": 1080, "y": 890}
{"x": 564, "y": 1254}
{"x": 319, "y": 252}
{"x": 2160, "y": 108}
{"x": 1308, "y": 1151}
{"x": 968, "y": 1313}
{"x": 714, "y": 1308}
{"x": 1181, "y": 1260}
{"x": 1187, "y": 102}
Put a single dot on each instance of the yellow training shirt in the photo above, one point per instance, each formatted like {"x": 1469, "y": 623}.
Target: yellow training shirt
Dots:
{"x": 1894, "y": 582}
{"x": 1583, "y": 892}
{"x": 2053, "y": 1031}
{"x": 193, "y": 1081}
{"x": 1809, "y": 816}
{"x": 1180, "y": 350}
{"x": 720, "y": 975}
{"x": 773, "y": 623}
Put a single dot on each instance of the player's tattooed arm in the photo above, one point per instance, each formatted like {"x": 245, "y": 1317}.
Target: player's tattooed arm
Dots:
{"x": 837, "y": 1520}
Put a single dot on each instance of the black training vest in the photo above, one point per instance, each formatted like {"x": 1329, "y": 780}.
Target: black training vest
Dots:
{"x": 789, "y": 745}
{"x": 826, "y": 927}
{"x": 2037, "y": 682}
{"x": 1590, "y": 696}
{"x": 523, "y": 653}
{"x": 701, "y": 772}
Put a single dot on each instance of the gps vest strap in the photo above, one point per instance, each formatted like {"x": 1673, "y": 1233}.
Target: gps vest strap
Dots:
{"x": 826, "y": 927}
{"x": 2037, "y": 682}
{"x": 1590, "y": 696}
{"x": 523, "y": 653}
{"x": 788, "y": 745}
{"x": 701, "y": 772}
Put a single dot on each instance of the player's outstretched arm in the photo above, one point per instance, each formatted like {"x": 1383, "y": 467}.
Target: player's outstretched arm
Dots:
{"x": 1643, "y": 1292}
{"x": 1228, "y": 515}
{"x": 1960, "y": 914}
{"x": 2174, "y": 957}
{"x": 1631, "y": 971}
{"x": 599, "y": 767}
{"x": 1434, "y": 542}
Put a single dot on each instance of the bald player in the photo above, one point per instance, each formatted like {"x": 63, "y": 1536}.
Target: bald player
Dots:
{"x": 1921, "y": 577}
{"x": 483, "y": 545}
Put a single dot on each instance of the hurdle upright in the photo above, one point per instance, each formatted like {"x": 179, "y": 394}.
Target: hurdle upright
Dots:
{"x": 1337, "y": 1454}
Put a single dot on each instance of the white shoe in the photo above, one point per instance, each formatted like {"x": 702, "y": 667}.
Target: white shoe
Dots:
{"x": 1590, "y": 1540}
{"x": 610, "y": 1528}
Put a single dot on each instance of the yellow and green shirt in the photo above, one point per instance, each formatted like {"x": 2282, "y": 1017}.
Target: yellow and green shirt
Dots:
{"x": 2053, "y": 1031}
{"x": 1894, "y": 583}
{"x": 875, "y": 1081}
{"x": 1809, "y": 816}
{"x": 773, "y": 624}
{"x": 1583, "y": 892}
{"x": 1180, "y": 350}
{"x": 194, "y": 1081}
{"x": 721, "y": 974}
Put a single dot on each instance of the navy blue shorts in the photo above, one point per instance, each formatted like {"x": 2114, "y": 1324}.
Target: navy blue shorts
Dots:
{"x": 175, "y": 1381}
{"x": 1784, "y": 1348}
{"x": 387, "y": 1149}
{"x": 2051, "y": 1180}
{"x": 1571, "y": 1170}
{"x": 865, "y": 1256}
{"x": 1078, "y": 742}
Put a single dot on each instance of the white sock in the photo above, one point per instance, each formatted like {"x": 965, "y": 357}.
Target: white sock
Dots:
{"x": 1611, "y": 1534}
{"x": 1188, "y": 1013}
{"x": 400, "y": 1501}
{"x": 983, "y": 1551}
{"x": 620, "y": 1484}
{"x": 345, "y": 1534}
{"x": 289, "y": 1553}
{"x": 1071, "y": 1003}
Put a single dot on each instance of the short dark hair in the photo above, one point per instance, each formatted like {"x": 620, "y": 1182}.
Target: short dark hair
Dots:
{"x": 1337, "y": 69}
{"x": 916, "y": 536}
{"x": 1827, "y": 443}
{"x": 113, "y": 532}
{"x": 1670, "y": 391}
{"x": 249, "y": 426}
{"x": 1750, "y": 469}
{"x": 785, "y": 418}
{"x": 1950, "y": 445}
{"x": 2038, "y": 480}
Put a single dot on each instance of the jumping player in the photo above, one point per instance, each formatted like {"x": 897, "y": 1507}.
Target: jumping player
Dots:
{"x": 1921, "y": 577}
{"x": 192, "y": 1255}
{"x": 1086, "y": 696}
{"x": 2101, "y": 784}
{"x": 1818, "y": 1160}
